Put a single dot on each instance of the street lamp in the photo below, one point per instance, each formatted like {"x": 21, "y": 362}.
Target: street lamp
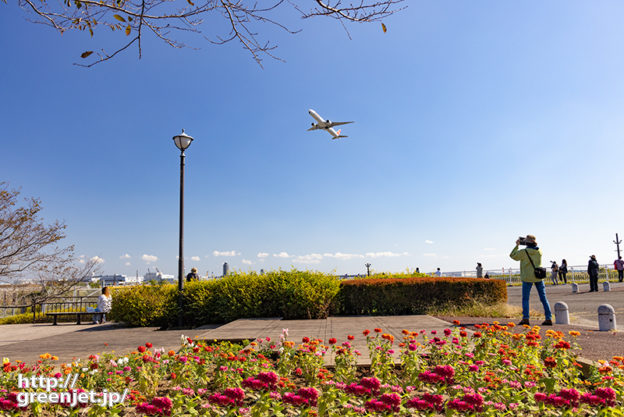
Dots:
{"x": 182, "y": 141}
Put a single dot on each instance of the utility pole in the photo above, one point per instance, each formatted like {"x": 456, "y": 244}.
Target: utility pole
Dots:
{"x": 367, "y": 265}
{"x": 617, "y": 241}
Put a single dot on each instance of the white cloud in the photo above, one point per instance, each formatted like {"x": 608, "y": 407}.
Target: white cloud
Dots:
{"x": 430, "y": 255}
{"x": 343, "y": 256}
{"x": 195, "y": 258}
{"x": 312, "y": 258}
{"x": 489, "y": 249}
{"x": 225, "y": 253}
{"x": 149, "y": 258}
{"x": 262, "y": 255}
{"x": 386, "y": 254}
{"x": 429, "y": 242}
{"x": 125, "y": 256}
{"x": 281, "y": 255}
{"x": 97, "y": 260}
{"x": 247, "y": 262}
{"x": 127, "y": 264}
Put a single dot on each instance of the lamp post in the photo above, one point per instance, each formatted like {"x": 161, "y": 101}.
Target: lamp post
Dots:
{"x": 182, "y": 141}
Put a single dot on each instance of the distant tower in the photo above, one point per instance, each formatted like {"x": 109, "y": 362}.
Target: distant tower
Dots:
{"x": 226, "y": 269}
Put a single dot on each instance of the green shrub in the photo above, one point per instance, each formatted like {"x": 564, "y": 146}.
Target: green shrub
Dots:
{"x": 296, "y": 295}
{"x": 143, "y": 305}
{"x": 288, "y": 294}
{"x": 415, "y": 295}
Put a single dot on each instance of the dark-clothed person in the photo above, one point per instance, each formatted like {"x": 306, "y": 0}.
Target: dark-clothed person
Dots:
{"x": 592, "y": 269}
{"x": 563, "y": 271}
{"x": 192, "y": 276}
{"x": 619, "y": 265}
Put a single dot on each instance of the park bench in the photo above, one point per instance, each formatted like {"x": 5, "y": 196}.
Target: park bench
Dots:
{"x": 78, "y": 315}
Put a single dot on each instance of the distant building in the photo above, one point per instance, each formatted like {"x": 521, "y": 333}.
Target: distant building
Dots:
{"x": 158, "y": 277}
{"x": 110, "y": 280}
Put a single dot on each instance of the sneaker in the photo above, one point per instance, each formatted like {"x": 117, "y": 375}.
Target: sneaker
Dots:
{"x": 523, "y": 322}
{"x": 547, "y": 322}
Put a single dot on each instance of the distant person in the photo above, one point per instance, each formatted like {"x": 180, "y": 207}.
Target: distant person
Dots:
{"x": 563, "y": 271}
{"x": 417, "y": 270}
{"x": 530, "y": 258}
{"x": 104, "y": 305}
{"x": 438, "y": 272}
{"x": 479, "y": 270}
{"x": 619, "y": 266}
{"x": 486, "y": 276}
{"x": 554, "y": 268}
{"x": 192, "y": 276}
{"x": 592, "y": 269}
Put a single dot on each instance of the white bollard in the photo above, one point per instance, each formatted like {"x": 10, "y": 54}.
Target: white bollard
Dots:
{"x": 574, "y": 287}
{"x": 561, "y": 313}
{"x": 606, "y": 286}
{"x": 606, "y": 317}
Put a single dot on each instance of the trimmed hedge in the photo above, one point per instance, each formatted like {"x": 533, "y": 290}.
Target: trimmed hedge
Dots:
{"x": 415, "y": 295}
{"x": 288, "y": 294}
{"x": 296, "y": 295}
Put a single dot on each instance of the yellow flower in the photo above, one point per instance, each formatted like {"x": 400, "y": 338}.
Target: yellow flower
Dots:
{"x": 574, "y": 333}
{"x": 54, "y": 358}
{"x": 5, "y": 361}
{"x": 45, "y": 356}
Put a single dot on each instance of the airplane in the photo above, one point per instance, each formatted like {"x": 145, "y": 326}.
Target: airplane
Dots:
{"x": 326, "y": 125}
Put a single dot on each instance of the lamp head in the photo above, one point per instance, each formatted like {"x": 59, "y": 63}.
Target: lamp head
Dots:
{"x": 182, "y": 141}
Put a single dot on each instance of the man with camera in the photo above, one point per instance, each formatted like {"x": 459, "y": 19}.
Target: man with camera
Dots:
{"x": 531, "y": 273}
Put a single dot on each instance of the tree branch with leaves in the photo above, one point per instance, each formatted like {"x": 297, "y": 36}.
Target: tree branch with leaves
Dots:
{"x": 171, "y": 20}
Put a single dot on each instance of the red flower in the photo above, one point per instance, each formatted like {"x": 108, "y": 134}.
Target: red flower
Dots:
{"x": 366, "y": 332}
{"x": 377, "y": 330}
{"x": 476, "y": 334}
{"x": 332, "y": 341}
{"x": 350, "y": 337}
{"x": 141, "y": 349}
{"x": 148, "y": 345}
{"x": 305, "y": 339}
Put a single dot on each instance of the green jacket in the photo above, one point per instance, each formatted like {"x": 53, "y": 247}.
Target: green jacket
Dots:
{"x": 526, "y": 269}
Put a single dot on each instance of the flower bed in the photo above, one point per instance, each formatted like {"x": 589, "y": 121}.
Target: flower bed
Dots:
{"x": 496, "y": 370}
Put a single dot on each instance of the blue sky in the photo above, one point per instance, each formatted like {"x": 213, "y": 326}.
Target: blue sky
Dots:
{"x": 475, "y": 123}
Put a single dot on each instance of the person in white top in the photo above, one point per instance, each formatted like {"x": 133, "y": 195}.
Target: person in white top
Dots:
{"x": 104, "y": 305}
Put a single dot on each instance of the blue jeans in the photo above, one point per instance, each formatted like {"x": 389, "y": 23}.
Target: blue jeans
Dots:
{"x": 541, "y": 290}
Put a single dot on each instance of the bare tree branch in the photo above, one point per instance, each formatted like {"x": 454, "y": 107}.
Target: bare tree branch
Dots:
{"x": 166, "y": 19}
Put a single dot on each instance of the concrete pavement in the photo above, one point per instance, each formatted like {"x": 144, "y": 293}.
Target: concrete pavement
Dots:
{"x": 583, "y": 306}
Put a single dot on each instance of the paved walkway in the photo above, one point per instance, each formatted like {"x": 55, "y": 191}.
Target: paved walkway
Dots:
{"x": 70, "y": 341}
{"x": 583, "y": 306}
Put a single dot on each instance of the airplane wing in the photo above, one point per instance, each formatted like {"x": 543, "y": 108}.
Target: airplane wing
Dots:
{"x": 312, "y": 128}
{"x": 332, "y": 124}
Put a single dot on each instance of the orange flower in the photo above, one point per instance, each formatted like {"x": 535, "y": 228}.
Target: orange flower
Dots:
{"x": 388, "y": 337}
{"x": 574, "y": 333}
{"x": 456, "y": 322}
{"x": 511, "y": 324}
{"x": 377, "y": 330}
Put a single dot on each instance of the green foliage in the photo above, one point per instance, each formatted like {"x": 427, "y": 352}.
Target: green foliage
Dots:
{"x": 296, "y": 295}
{"x": 416, "y": 295}
{"x": 145, "y": 305}
{"x": 288, "y": 294}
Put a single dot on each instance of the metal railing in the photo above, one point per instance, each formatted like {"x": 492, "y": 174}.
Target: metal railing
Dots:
{"x": 576, "y": 273}
{"x": 53, "y": 304}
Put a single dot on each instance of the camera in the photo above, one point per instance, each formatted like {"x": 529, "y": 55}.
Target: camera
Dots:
{"x": 522, "y": 240}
